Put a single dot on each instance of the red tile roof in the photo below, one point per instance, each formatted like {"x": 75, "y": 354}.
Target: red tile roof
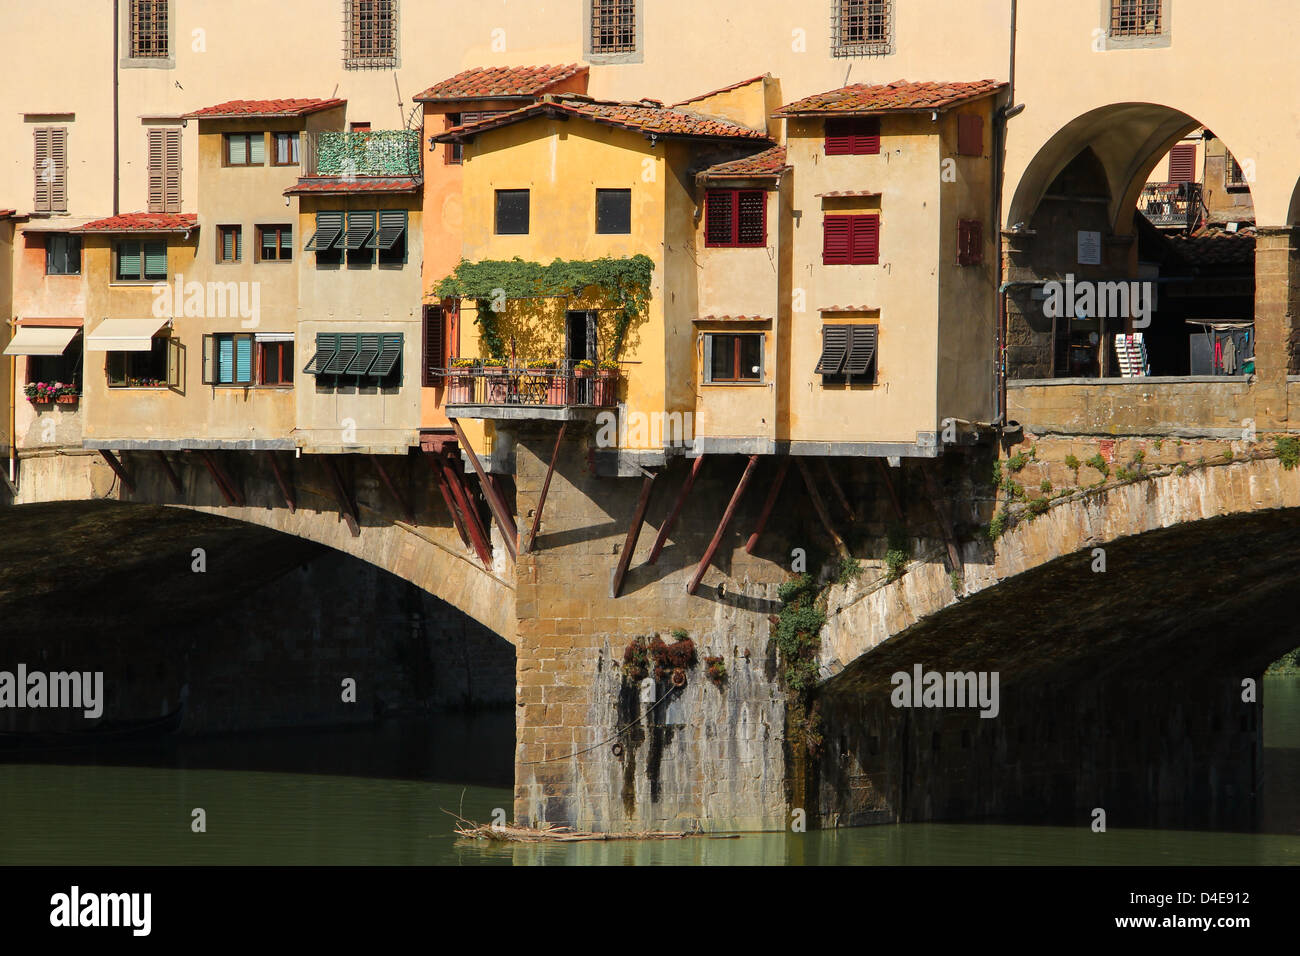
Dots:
{"x": 733, "y": 318}
{"x": 143, "y": 222}
{"x": 495, "y": 82}
{"x": 360, "y": 184}
{"x": 848, "y": 194}
{"x": 254, "y": 109}
{"x": 647, "y": 116}
{"x": 1215, "y": 247}
{"x": 899, "y": 96}
{"x": 725, "y": 89}
{"x": 768, "y": 163}
{"x": 6, "y": 213}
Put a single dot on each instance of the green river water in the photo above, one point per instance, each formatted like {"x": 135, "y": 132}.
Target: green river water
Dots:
{"x": 376, "y": 796}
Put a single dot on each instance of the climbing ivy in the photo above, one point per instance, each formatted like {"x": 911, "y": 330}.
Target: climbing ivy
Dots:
{"x": 626, "y": 281}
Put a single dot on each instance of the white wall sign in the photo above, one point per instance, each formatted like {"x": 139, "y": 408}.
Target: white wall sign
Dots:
{"x": 1089, "y": 248}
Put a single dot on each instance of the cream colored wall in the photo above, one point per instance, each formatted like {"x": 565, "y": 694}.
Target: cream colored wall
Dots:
{"x": 1160, "y": 171}
{"x": 373, "y": 298}
{"x": 741, "y": 106}
{"x": 6, "y": 313}
{"x": 903, "y": 287}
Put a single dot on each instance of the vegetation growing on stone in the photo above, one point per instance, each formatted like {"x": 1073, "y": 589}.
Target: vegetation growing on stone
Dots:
{"x": 636, "y": 661}
{"x": 1288, "y": 451}
{"x": 1017, "y": 461}
{"x": 1099, "y": 464}
{"x": 896, "y": 554}
{"x": 668, "y": 658}
{"x": 850, "y": 570}
{"x": 798, "y": 631}
{"x": 715, "y": 668}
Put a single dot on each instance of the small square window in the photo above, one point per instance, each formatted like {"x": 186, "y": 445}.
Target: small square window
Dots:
{"x": 274, "y": 243}
{"x": 148, "y": 34}
{"x": 275, "y": 363}
{"x": 245, "y": 149}
{"x": 613, "y": 26}
{"x": 286, "y": 149}
{"x": 734, "y": 358}
{"x": 1135, "y": 18}
{"x": 854, "y": 136}
{"x": 371, "y": 34}
{"x": 230, "y": 243}
{"x": 138, "y": 261}
{"x": 614, "y": 211}
{"x": 151, "y": 369}
{"x": 512, "y": 212}
{"x": 62, "y": 255}
{"x": 735, "y": 217}
{"x": 862, "y": 27}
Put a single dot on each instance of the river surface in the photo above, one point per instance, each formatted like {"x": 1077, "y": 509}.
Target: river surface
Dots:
{"x": 377, "y": 795}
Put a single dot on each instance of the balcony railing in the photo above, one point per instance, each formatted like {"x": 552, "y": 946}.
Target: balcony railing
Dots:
{"x": 380, "y": 152}
{"x": 1171, "y": 205}
{"x": 553, "y": 388}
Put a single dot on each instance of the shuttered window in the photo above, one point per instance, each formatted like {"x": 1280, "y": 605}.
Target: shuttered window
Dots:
{"x": 140, "y": 261}
{"x": 367, "y": 353}
{"x": 361, "y": 231}
{"x": 970, "y": 135}
{"x": 245, "y": 149}
{"x": 853, "y": 137}
{"x": 735, "y": 217}
{"x": 164, "y": 170}
{"x": 1182, "y": 163}
{"x": 848, "y": 353}
{"x": 388, "y": 366}
{"x": 970, "y": 242}
{"x": 327, "y": 346}
{"x": 851, "y": 240}
{"x": 228, "y": 359}
{"x": 327, "y": 240}
{"x": 230, "y": 241}
{"x": 274, "y": 243}
{"x": 390, "y": 237}
{"x": 51, "y": 169}
{"x": 435, "y": 345}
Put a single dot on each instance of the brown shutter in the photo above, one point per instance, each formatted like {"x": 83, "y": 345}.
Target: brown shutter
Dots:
{"x": 970, "y": 135}
{"x": 40, "y": 166}
{"x": 435, "y": 341}
{"x": 157, "y": 149}
{"x": 1182, "y": 163}
{"x": 172, "y": 171}
{"x": 59, "y": 154}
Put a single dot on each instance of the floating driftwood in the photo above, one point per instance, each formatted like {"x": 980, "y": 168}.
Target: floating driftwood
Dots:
{"x": 500, "y": 833}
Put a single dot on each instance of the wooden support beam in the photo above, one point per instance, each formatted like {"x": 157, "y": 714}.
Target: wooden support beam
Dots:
{"x": 888, "y": 479}
{"x": 722, "y": 525}
{"x": 435, "y": 465}
{"x": 546, "y": 486}
{"x": 220, "y": 479}
{"x": 820, "y": 507}
{"x": 945, "y": 520}
{"x": 171, "y": 473}
{"x": 119, "y": 469}
{"x": 633, "y": 532}
{"x": 498, "y": 507}
{"x": 285, "y": 482}
{"x": 769, "y": 504}
{"x": 451, "y": 469}
{"x": 402, "y": 502}
{"x": 347, "y": 506}
{"x": 671, "y": 520}
{"x": 839, "y": 492}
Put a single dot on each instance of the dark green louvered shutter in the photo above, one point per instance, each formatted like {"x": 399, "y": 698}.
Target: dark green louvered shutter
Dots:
{"x": 366, "y": 355}
{"x": 390, "y": 354}
{"x": 835, "y": 347}
{"x": 361, "y": 230}
{"x": 392, "y": 227}
{"x": 348, "y": 348}
{"x": 329, "y": 227}
{"x": 327, "y": 346}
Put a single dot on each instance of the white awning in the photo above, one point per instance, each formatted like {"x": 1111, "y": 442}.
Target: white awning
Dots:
{"x": 273, "y": 336}
{"x": 124, "y": 335}
{"x": 35, "y": 340}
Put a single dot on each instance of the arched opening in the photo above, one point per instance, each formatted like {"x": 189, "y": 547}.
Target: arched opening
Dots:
{"x": 1131, "y": 252}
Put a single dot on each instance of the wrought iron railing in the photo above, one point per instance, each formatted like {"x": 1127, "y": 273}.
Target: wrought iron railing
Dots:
{"x": 537, "y": 387}
{"x": 1171, "y": 204}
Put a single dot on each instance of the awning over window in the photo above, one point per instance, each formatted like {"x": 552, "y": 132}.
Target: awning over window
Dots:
{"x": 273, "y": 336}
{"x": 34, "y": 340}
{"x": 124, "y": 335}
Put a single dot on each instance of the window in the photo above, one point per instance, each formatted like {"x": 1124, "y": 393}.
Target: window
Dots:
{"x": 970, "y": 242}
{"x": 435, "y": 345}
{"x": 862, "y": 27}
{"x": 848, "y": 354}
{"x": 851, "y": 240}
{"x": 735, "y": 217}
{"x": 327, "y": 240}
{"x": 1132, "y": 18}
{"x": 164, "y": 169}
{"x": 733, "y": 358}
{"x": 512, "y": 212}
{"x": 156, "y": 368}
{"x": 613, "y": 26}
{"x": 371, "y": 33}
{"x": 51, "y": 167}
{"x": 140, "y": 261}
{"x": 275, "y": 359}
{"x": 357, "y": 358}
{"x": 1233, "y": 176}
{"x": 614, "y": 212}
{"x": 245, "y": 149}
{"x": 228, "y": 359}
{"x": 1182, "y": 163}
{"x": 65, "y": 367}
{"x": 230, "y": 241}
{"x": 360, "y": 237}
{"x": 286, "y": 149}
{"x": 148, "y": 29}
{"x": 62, "y": 255}
{"x": 853, "y": 137}
{"x": 274, "y": 243}
{"x": 970, "y": 135}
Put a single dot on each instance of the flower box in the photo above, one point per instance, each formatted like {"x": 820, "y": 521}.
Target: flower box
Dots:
{"x": 68, "y": 399}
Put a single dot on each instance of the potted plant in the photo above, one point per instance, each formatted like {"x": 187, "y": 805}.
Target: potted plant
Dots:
{"x": 67, "y": 393}
{"x": 554, "y": 388}
{"x": 497, "y": 383}
{"x": 584, "y": 369}
{"x": 462, "y": 384}
{"x": 40, "y": 393}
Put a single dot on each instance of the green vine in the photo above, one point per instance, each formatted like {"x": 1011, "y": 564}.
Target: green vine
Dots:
{"x": 626, "y": 281}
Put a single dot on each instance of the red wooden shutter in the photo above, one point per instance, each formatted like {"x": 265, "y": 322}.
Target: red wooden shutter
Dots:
{"x": 865, "y": 248}
{"x": 1182, "y": 163}
{"x": 837, "y": 238}
{"x": 751, "y": 227}
{"x": 970, "y": 135}
{"x": 970, "y": 242}
{"x": 157, "y": 162}
{"x": 435, "y": 342}
{"x": 866, "y": 137}
{"x": 857, "y": 137}
{"x": 719, "y": 217}
{"x": 839, "y": 138}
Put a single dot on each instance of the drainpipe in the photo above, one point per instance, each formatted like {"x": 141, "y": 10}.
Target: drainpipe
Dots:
{"x": 117, "y": 158}
{"x": 999, "y": 159}
{"x": 13, "y": 413}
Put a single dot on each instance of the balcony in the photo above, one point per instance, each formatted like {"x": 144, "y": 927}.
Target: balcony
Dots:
{"x": 567, "y": 393}
{"x": 380, "y": 152}
{"x": 1171, "y": 205}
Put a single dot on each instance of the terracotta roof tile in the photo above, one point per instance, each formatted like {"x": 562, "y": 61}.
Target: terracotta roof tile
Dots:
{"x": 143, "y": 222}
{"x": 899, "y": 96}
{"x": 645, "y": 116}
{"x": 848, "y": 308}
{"x": 248, "y": 109}
{"x": 848, "y": 194}
{"x": 498, "y": 81}
{"x": 733, "y": 318}
{"x": 360, "y": 184}
{"x": 725, "y": 89}
{"x": 1215, "y": 247}
{"x": 770, "y": 162}
{"x": 6, "y": 213}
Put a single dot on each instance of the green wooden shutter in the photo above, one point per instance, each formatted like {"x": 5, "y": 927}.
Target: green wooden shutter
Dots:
{"x": 366, "y": 355}
{"x": 361, "y": 227}
{"x": 390, "y": 354}
{"x": 128, "y": 260}
{"x": 392, "y": 226}
{"x": 244, "y": 359}
{"x": 155, "y": 260}
{"x": 348, "y": 348}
